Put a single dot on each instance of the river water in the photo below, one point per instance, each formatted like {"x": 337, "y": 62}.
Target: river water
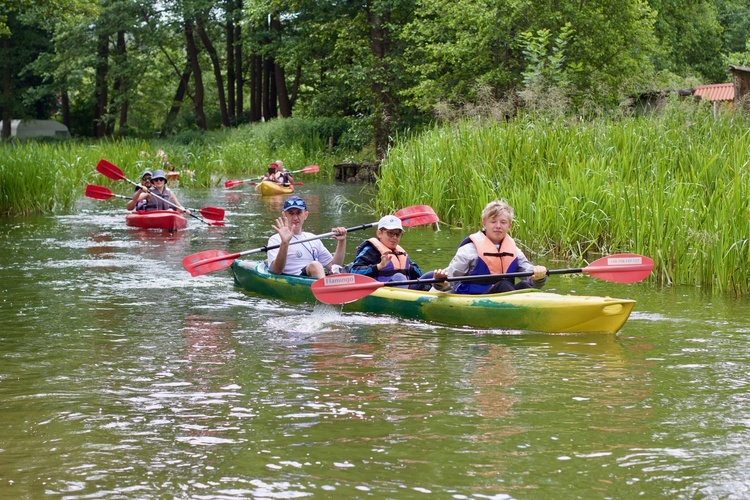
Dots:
{"x": 123, "y": 377}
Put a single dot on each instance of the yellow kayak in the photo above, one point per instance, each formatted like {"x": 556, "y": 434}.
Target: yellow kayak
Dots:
{"x": 267, "y": 188}
{"x": 530, "y": 309}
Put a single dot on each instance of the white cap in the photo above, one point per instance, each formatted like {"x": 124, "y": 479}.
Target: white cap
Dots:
{"x": 390, "y": 222}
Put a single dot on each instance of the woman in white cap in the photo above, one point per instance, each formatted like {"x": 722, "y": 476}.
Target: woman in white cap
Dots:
{"x": 383, "y": 258}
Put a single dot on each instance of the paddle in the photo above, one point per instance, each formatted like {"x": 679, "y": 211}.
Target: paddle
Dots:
{"x": 113, "y": 172}
{"x": 103, "y": 193}
{"x": 292, "y": 183}
{"x": 310, "y": 169}
{"x": 344, "y": 288}
{"x": 214, "y": 260}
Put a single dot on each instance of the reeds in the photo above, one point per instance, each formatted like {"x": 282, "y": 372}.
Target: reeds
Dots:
{"x": 673, "y": 186}
{"x": 43, "y": 176}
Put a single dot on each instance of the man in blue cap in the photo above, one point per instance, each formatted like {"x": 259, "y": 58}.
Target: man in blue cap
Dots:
{"x": 310, "y": 258}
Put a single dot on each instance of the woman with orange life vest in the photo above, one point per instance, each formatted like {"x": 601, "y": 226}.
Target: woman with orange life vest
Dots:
{"x": 383, "y": 259}
{"x": 491, "y": 251}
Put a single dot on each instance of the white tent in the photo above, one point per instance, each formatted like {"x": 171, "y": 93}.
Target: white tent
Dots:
{"x": 24, "y": 129}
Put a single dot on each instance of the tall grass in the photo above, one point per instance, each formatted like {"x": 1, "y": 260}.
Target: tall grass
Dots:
{"x": 44, "y": 176}
{"x": 673, "y": 186}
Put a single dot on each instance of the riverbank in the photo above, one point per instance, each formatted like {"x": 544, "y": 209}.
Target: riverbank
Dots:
{"x": 672, "y": 186}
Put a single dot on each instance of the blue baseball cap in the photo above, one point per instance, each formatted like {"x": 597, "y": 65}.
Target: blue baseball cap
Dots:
{"x": 294, "y": 202}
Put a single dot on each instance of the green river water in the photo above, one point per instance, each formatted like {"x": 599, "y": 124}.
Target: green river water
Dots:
{"x": 123, "y": 377}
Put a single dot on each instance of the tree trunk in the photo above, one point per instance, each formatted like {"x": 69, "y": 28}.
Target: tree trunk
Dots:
{"x": 7, "y": 92}
{"x": 179, "y": 96}
{"x": 199, "y": 27}
{"x": 122, "y": 83}
{"x": 269, "y": 90}
{"x": 102, "y": 67}
{"x": 285, "y": 107}
{"x": 256, "y": 88}
{"x": 192, "y": 51}
{"x": 231, "y": 78}
{"x": 238, "y": 70}
{"x": 383, "y": 112}
{"x": 295, "y": 86}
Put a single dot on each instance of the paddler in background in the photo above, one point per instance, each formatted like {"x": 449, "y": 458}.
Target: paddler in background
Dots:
{"x": 160, "y": 189}
{"x": 134, "y": 204}
{"x": 382, "y": 257}
{"x": 491, "y": 251}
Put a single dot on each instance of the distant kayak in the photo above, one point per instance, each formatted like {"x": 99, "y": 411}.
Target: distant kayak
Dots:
{"x": 530, "y": 309}
{"x": 267, "y": 188}
{"x": 167, "y": 220}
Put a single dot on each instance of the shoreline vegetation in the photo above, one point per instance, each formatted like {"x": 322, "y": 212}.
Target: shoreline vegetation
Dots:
{"x": 672, "y": 185}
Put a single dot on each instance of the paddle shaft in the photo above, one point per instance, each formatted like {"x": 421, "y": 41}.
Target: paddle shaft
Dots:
{"x": 235, "y": 183}
{"x": 486, "y": 278}
{"x": 266, "y": 248}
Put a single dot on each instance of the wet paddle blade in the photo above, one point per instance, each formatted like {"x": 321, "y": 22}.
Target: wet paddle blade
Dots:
{"x": 98, "y": 192}
{"x": 208, "y": 261}
{"x": 212, "y": 213}
{"x": 232, "y": 183}
{"x": 621, "y": 268}
{"x": 344, "y": 288}
{"x": 311, "y": 169}
{"x": 108, "y": 169}
{"x": 417, "y": 215}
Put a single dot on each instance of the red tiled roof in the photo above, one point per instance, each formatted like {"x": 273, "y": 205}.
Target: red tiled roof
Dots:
{"x": 718, "y": 92}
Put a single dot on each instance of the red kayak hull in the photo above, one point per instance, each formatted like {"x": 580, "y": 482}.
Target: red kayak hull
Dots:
{"x": 167, "y": 220}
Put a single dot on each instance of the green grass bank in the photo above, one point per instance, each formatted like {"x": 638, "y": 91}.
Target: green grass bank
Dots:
{"x": 673, "y": 186}
{"x": 46, "y": 176}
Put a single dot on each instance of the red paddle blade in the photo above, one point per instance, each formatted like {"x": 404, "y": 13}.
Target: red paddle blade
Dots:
{"x": 344, "y": 288}
{"x": 98, "y": 192}
{"x": 417, "y": 215}
{"x": 208, "y": 261}
{"x": 621, "y": 268}
{"x": 212, "y": 213}
{"x": 310, "y": 169}
{"x": 112, "y": 171}
{"x": 232, "y": 183}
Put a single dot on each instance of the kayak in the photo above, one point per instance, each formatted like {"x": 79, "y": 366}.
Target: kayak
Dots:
{"x": 529, "y": 309}
{"x": 267, "y": 188}
{"x": 173, "y": 176}
{"x": 168, "y": 220}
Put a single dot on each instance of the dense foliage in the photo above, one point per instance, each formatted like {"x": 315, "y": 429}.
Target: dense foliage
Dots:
{"x": 136, "y": 67}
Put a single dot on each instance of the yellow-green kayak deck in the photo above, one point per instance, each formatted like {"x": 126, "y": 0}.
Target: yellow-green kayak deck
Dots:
{"x": 532, "y": 310}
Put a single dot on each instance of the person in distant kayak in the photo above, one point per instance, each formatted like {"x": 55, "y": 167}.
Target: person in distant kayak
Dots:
{"x": 491, "y": 251}
{"x": 277, "y": 173}
{"x": 160, "y": 190}
{"x": 134, "y": 204}
{"x": 383, "y": 258}
{"x": 310, "y": 258}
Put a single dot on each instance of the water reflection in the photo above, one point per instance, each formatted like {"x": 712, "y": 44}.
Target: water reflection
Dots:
{"x": 122, "y": 376}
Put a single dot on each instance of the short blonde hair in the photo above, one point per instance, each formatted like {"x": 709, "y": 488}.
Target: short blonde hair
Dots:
{"x": 495, "y": 208}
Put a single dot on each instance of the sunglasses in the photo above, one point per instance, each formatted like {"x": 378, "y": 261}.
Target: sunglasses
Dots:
{"x": 159, "y": 179}
{"x": 394, "y": 234}
{"x": 146, "y": 179}
{"x": 295, "y": 203}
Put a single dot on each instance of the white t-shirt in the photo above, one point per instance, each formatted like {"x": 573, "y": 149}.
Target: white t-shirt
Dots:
{"x": 299, "y": 254}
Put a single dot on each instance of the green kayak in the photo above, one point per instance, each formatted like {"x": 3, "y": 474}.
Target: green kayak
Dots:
{"x": 532, "y": 309}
